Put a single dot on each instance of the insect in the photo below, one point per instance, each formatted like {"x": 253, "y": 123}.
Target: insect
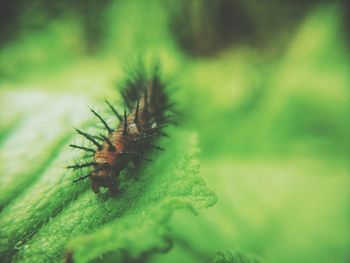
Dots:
{"x": 146, "y": 114}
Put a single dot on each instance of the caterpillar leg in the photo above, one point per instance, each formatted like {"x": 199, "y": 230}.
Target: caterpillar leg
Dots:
{"x": 112, "y": 185}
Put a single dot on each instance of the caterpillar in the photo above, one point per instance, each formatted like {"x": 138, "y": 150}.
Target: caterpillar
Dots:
{"x": 147, "y": 111}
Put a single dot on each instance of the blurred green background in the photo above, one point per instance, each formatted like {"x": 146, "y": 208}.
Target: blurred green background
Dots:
{"x": 265, "y": 84}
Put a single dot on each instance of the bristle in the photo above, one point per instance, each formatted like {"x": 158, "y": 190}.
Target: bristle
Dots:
{"x": 157, "y": 147}
{"x": 120, "y": 118}
{"x": 163, "y": 134}
{"x": 102, "y": 120}
{"x": 90, "y": 138}
{"x": 146, "y": 100}
{"x": 82, "y": 178}
{"x": 82, "y": 148}
{"x": 137, "y": 112}
{"x": 125, "y": 121}
{"x": 97, "y": 137}
{"x": 81, "y": 165}
{"x": 138, "y": 155}
{"x": 111, "y": 147}
{"x": 125, "y": 98}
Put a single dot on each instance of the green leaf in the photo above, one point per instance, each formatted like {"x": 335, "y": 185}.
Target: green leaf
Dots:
{"x": 227, "y": 256}
{"x": 44, "y": 212}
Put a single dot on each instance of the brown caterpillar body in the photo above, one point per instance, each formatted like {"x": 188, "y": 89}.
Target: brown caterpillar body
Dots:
{"x": 147, "y": 103}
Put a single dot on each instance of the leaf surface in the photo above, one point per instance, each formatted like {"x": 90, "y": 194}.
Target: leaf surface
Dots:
{"x": 49, "y": 213}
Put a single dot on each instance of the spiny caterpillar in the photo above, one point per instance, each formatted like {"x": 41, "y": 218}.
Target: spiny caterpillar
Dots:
{"x": 142, "y": 122}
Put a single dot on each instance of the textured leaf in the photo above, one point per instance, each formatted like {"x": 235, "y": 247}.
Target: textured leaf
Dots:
{"x": 49, "y": 211}
{"x": 234, "y": 257}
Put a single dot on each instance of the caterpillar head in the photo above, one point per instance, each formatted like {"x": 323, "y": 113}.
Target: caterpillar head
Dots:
{"x": 104, "y": 175}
